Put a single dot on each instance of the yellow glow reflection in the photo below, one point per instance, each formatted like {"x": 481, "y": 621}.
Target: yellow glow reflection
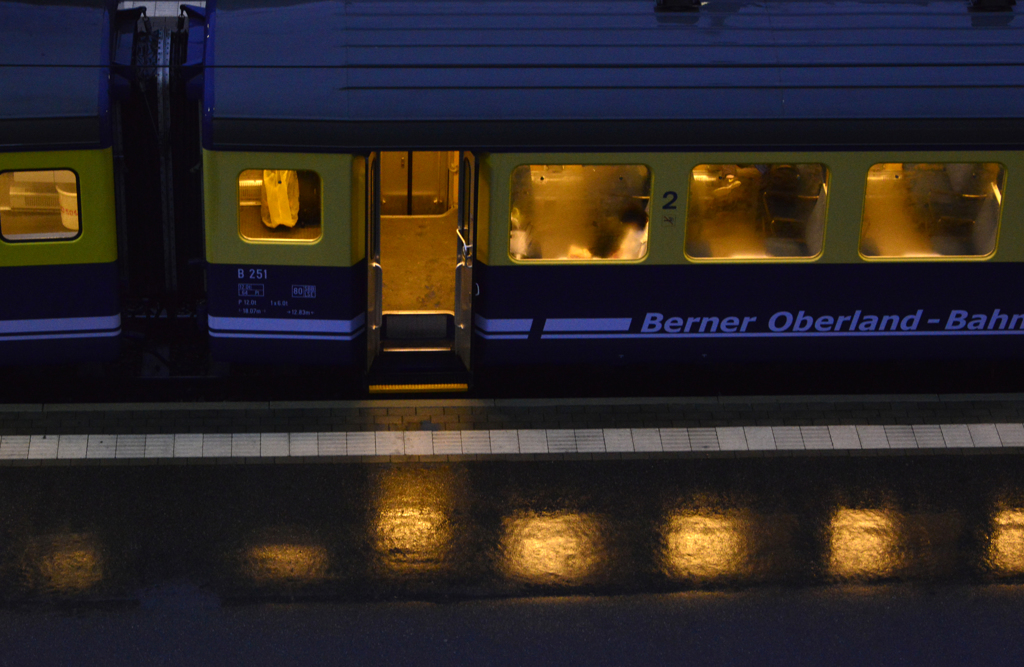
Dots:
{"x": 1006, "y": 548}
{"x": 412, "y": 529}
{"x": 562, "y": 547}
{"x": 703, "y": 546}
{"x": 288, "y": 562}
{"x": 67, "y": 563}
{"x": 863, "y": 544}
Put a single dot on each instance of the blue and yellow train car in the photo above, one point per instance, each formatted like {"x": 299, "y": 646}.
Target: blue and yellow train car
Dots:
{"x": 58, "y": 241}
{"x": 431, "y": 189}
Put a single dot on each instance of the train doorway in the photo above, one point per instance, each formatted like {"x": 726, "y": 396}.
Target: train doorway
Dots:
{"x": 421, "y": 206}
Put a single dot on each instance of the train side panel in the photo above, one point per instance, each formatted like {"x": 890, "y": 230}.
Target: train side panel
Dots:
{"x": 670, "y": 307}
{"x": 58, "y": 258}
{"x": 295, "y": 292}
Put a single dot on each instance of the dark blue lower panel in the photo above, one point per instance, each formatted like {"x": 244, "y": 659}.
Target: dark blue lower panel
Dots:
{"x": 75, "y": 351}
{"x": 274, "y": 351}
{"x": 59, "y": 314}
{"x": 726, "y": 313}
{"x": 274, "y": 314}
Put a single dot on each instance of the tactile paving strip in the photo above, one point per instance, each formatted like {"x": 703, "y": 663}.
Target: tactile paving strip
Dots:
{"x": 556, "y": 443}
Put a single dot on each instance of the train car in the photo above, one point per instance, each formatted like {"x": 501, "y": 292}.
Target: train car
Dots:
{"x": 434, "y": 189}
{"x": 59, "y": 286}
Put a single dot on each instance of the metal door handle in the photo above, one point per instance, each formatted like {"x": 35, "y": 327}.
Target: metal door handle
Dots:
{"x": 466, "y": 247}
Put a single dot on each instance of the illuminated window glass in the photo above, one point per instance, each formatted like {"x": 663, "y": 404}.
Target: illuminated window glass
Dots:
{"x": 580, "y": 212}
{"x": 39, "y": 205}
{"x": 756, "y": 211}
{"x": 279, "y": 205}
{"x": 931, "y": 210}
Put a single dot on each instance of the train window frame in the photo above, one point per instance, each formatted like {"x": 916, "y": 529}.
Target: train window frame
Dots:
{"x": 825, "y": 187}
{"x": 51, "y": 239}
{"x": 259, "y": 224}
{"x": 1000, "y": 195}
{"x": 643, "y": 240}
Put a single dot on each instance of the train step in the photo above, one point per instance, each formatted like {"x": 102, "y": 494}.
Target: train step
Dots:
{"x": 403, "y": 370}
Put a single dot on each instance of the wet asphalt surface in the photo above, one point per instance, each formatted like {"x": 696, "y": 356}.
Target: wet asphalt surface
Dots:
{"x": 892, "y": 560}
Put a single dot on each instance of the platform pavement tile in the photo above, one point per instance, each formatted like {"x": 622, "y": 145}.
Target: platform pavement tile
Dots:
{"x": 419, "y": 443}
{"x": 217, "y": 444}
{"x": 561, "y": 440}
{"x": 245, "y": 444}
{"x": 389, "y": 443}
{"x": 816, "y": 437}
{"x": 984, "y": 435}
{"x": 731, "y": 438}
{"x": 302, "y": 444}
{"x": 274, "y": 444}
{"x": 20, "y": 447}
{"x": 1011, "y": 435}
{"x": 928, "y": 436}
{"x": 360, "y": 443}
{"x": 159, "y": 446}
{"x": 533, "y": 441}
{"x": 618, "y": 440}
{"x": 476, "y": 442}
{"x": 335, "y": 443}
{"x": 900, "y": 436}
{"x": 646, "y": 439}
{"x": 43, "y": 447}
{"x": 788, "y": 437}
{"x": 188, "y": 445}
{"x": 872, "y": 437}
{"x": 504, "y": 441}
{"x": 131, "y": 447}
{"x": 759, "y": 438}
{"x": 674, "y": 439}
{"x": 590, "y": 440}
{"x": 703, "y": 439}
{"x": 956, "y": 435}
{"x": 447, "y": 442}
{"x": 844, "y": 436}
{"x": 72, "y": 446}
{"x": 101, "y": 447}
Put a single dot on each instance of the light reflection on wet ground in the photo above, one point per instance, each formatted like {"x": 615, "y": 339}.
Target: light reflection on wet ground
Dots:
{"x": 484, "y": 529}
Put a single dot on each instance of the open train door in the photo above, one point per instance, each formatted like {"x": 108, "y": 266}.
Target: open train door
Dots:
{"x": 420, "y": 219}
{"x": 464, "y": 254}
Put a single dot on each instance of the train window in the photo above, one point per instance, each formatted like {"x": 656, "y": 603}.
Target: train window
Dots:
{"x": 39, "y": 205}
{"x": 580, "y": 212}
{"x": 756, "y": 211}
{"x": 931, "y": 210}
{"x": 279, "y": 206}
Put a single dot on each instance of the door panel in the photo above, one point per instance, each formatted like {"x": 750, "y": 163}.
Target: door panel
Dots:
{"x": 375, "y": 279}
{"x": 465, "y": 237}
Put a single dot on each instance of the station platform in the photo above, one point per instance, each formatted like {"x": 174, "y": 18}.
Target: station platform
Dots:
{"x": 467, "y": 429}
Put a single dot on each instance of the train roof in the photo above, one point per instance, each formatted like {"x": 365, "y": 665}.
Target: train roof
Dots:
{"x": 54, "y": 65}
{"x": 610, "y": 73}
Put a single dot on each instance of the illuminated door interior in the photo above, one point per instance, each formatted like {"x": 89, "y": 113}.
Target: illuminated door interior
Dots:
{"x": 419, "y": 216}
